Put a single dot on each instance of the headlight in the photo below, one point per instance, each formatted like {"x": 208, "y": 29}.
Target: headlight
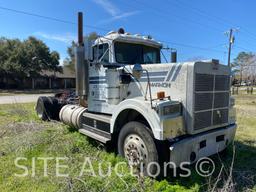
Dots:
{"x": 171, "y": 109}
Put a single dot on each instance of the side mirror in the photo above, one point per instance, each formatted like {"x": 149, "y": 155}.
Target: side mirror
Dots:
{"x": 137, "y": 71}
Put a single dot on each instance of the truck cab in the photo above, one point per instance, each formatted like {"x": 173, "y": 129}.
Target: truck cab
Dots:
{"x": 113, "y": 58}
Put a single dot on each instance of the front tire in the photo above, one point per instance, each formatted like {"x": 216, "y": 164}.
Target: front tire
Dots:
{"x": 136, "y": 144}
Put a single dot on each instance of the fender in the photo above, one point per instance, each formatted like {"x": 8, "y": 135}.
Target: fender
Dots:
{"x": 144, "y": 108}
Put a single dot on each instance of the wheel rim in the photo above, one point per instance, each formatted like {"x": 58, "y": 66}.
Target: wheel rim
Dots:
{"x": 135, "y": 151}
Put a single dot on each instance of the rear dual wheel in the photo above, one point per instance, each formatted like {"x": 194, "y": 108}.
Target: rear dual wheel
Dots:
{"x": 41, "y": 108}
{"x": 48, "y": 108}
{"x": 136, "y": 144}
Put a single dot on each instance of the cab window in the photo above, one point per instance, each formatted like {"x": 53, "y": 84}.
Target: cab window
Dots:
{"x": 101, "y": 52}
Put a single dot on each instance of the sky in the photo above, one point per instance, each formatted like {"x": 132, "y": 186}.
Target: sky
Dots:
{"x": 196, "y": 28}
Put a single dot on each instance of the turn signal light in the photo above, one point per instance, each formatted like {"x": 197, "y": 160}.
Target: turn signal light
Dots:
{"x": 160, "y": 95}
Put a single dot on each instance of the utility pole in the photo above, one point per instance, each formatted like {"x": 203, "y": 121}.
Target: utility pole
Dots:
{"x": 231, "y": 42}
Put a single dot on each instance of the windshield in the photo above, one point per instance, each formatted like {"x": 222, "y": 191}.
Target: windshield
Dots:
{"x": 129, "y": 53}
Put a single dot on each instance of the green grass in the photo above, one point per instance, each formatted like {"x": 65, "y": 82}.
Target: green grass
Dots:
{"x": 23, "y": 135}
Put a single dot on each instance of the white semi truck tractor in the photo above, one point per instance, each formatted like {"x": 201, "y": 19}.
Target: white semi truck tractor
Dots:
{"x": 151, "y": 111}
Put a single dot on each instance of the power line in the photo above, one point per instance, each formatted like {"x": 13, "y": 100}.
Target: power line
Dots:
{"x": 247, "y": 42}
{"x": 200, "y": 12}
{"x": 219, "y": 45}
{"x": 191, "y": 46}
{"x": 49, "y": 18}
{"x": 182, "y": 19}
{"x": 213, "y": 17}
{"x": 242, "y": 48}
{"x": 92, "y": 27}
{"x": 249, "y": 33}
{"x": 98, "y": 28}
{"x": 182, "y": 45}
{"x": 197, "y": 10}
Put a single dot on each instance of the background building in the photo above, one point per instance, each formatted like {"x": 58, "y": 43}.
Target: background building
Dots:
{"x": 46, "y": 80}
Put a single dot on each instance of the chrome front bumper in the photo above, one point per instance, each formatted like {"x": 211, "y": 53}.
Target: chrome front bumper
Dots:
{"x": 201, "y": 145}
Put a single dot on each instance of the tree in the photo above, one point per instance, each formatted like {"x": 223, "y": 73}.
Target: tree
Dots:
{"x": 40, "y": 57}
{"x": 70, "y": 60}
{"x": 244, "y": 65}
{"x": 10, "y": 52}
{"x": 26, "y": 58}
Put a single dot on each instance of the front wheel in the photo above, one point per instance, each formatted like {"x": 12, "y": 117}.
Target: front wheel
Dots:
{"x": 136, "y": 144}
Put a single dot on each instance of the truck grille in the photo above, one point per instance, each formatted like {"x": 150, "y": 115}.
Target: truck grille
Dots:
{"x": 211, "y": 100}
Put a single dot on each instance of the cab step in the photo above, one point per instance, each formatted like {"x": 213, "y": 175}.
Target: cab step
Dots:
{"x": 96, "y": 126}
{"x": 95, "y": 135}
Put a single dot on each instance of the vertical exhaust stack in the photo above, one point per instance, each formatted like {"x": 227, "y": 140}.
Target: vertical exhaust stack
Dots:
{"x": 80, "y": 29}
{"x": 173, "y": 56}
{"x": 81, "y": 65}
